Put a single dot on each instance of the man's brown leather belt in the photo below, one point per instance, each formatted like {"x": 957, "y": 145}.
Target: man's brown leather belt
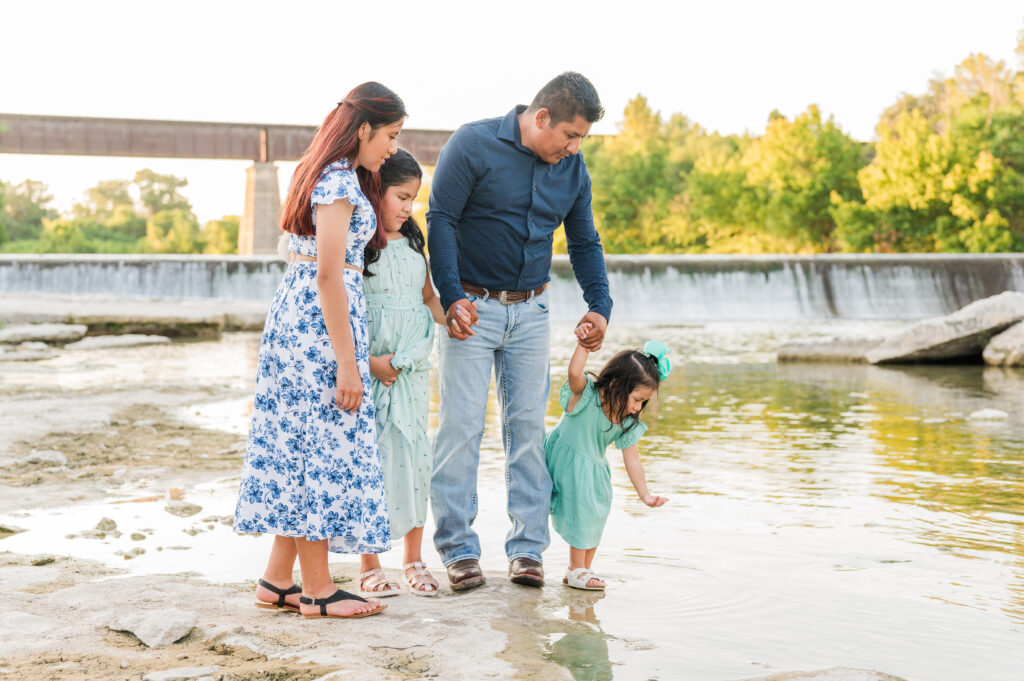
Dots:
{"x": 503, "y": 297}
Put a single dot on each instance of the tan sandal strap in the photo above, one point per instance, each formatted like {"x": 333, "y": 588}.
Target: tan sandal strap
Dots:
{"x": 369, "y": 581}
{"x": 421, "y": 576}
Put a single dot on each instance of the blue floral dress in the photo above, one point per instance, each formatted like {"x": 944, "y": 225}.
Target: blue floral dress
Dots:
{"x": 311, "y": 469}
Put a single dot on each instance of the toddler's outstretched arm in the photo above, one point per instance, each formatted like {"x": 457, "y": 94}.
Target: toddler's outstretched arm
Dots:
{"x": 577, "y": 381}
{"x": 635, "y": 470}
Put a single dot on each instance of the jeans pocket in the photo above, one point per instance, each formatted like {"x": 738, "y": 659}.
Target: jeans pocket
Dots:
{"x": 542, "y": 304}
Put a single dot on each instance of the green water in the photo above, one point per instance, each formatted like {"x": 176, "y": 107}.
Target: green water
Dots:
{"x": 819, "y": 515}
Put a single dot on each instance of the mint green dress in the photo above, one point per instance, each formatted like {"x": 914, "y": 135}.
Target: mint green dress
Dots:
{"x": 581, "y": 494}
{"x": 400, "y": 323}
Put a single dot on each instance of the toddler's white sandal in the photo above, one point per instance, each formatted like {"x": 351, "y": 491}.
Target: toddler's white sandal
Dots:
{"x": 578, "y": 578}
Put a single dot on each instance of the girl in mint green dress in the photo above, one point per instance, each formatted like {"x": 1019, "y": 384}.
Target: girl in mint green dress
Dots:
{"x": 401, "y": 308}
{"x": 599, "y": 410}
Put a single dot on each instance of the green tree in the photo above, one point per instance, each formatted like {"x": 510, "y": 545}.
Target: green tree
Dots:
{"x": 103, "y": 200}
{"x": 795, "y": 168}
{"x": 173, "y": 231}
{"x": 221, "y": 236}
{"x": 24, "y": 207}
{"x": 160, "y": 192}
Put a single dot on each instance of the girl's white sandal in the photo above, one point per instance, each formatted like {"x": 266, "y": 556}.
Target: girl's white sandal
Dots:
{"x": 579, "y": 577}
{"x": 421, "y": 578}
{"x": 372, "y": 579}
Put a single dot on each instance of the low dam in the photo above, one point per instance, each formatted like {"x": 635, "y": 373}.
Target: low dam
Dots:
{"x": 663, "y": 289}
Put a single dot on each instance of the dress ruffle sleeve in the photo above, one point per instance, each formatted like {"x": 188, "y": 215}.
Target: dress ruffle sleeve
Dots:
{"x": 565, "y": 394}
{"x": 337, "y": 184}
{"x": 631, "y": 437}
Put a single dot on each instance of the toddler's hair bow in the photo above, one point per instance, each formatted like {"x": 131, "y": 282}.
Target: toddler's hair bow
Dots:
{"x": 659, "y": 352}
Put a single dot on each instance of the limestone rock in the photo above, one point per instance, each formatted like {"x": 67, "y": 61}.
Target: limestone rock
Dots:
{"x": 831, "y": 349}
{"x": 129, "y": 339}
{"x": 182, "y": 509}
{"x": 181, "y": 674}
{"x": 832, "y": 674}
{"x": 20, "y": 353}
{"x": 49, "y": 333}
{"x": 157, "y": 628}
{"x": 964, "y": 333}
{"x": 49, "y": 457}
{"x": 1006, "y": 349}
{"x": 989, "y": 415}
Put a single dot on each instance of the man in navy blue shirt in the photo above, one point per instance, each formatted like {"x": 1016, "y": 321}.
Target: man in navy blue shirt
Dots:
{"x": 501, "y": 188}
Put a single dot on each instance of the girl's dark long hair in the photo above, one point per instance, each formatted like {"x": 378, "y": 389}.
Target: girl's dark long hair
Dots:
{"x": 338, "y": 137}
{"x": 398, "y": 169}
{"x": 624, "y": 373}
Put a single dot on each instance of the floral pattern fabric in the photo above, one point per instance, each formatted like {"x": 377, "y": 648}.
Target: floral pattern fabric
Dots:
{"x": 312, "y": 470}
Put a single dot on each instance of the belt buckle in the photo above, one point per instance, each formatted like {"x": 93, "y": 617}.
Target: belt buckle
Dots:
{"x": 503, "y": 297}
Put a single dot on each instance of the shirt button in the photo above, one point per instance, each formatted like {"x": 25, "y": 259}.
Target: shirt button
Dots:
{"x": 534, "y": 187}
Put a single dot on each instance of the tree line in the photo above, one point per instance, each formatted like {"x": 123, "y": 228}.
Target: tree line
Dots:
{"x": 147, "y": 214}
{"x": 945, "y": 174}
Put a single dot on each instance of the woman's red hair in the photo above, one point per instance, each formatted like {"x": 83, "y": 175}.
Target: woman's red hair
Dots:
{"x": 338, "y": 137}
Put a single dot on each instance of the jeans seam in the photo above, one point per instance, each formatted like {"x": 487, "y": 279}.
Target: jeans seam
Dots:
{"x": 534, "y": 556}
{"x": 456, "y": 559}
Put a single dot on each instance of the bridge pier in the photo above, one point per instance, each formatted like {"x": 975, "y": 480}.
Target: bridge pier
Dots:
{"x": 260, "y": 227}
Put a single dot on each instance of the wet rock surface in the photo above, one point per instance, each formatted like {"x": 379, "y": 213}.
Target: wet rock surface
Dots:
{"x": 1006, "y": 349}
{"x": 964, "y": 333}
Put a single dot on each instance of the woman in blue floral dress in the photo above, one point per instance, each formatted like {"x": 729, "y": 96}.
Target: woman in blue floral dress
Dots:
{"x": 312, "y": 473}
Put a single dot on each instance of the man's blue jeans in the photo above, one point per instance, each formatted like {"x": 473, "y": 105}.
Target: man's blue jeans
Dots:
{"x": 514, "y": 339}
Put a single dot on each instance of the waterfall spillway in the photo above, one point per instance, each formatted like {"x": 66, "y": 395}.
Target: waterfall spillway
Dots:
{"x": 648, "y": 288}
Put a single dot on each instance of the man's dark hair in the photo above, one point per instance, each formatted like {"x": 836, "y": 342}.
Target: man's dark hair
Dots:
{"x": 568, "y": 95}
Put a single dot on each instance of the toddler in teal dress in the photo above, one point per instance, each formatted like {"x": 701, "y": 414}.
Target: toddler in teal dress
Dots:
{"x": 401, "y": 308}
{"x": 599, "y": 410}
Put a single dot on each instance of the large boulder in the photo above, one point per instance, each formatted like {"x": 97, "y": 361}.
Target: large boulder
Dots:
{"x": 1006, "y": 349}
{"x": 828, "y": 350}
{"x": 964, "y": 333}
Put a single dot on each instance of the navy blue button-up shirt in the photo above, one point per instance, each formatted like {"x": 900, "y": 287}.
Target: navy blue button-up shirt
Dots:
{"x": 494, "y": 208}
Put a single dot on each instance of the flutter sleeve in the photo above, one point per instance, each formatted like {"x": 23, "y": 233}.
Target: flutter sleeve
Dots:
{"x": 631, "y": 437}
{"x": 565, "y": 394}
{"x": 334, "y": 185}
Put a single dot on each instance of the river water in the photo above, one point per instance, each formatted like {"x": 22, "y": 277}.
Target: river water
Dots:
{"x": 818, "y": 515}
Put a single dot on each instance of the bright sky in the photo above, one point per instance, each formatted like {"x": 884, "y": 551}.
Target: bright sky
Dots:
{"x": 723, "y": 64}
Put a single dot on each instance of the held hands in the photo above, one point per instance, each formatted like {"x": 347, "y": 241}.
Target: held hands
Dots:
{"x": 590, "y": 331}
{"x": 381, "y": 369}
{"x": 653, "y": 500}
{"x": 459, "y": 319}
{"x": 350, "y": 387}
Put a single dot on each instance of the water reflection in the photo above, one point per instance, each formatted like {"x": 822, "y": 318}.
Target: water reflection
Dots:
{"x": 584, "y": 652}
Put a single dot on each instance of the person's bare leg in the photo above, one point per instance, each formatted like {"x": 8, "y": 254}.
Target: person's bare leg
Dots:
{"x": 317, "y": 582}
{"x": 279, "y": 571}
{"x": 582, "y": 558}
{"x": 414, "y": 554}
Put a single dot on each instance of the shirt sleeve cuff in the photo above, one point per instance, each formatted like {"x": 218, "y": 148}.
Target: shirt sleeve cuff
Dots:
{"x": 603, "y": 308}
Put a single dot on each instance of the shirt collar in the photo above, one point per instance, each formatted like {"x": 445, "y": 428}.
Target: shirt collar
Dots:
{"x": 509, "y": 128}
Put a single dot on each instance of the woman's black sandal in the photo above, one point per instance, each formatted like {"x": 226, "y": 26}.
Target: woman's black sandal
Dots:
{"x": 338, "y": 595}
{"x": 281, "y": 593}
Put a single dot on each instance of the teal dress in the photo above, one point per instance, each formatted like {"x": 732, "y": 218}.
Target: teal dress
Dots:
{"x": 581, "y": 494}
{"x": 400, "y": 323}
